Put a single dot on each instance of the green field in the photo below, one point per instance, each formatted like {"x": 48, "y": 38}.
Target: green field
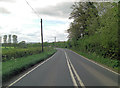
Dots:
{"x": 7, "y": 47}
{"x": 13, "y": 53}
{"x": 15, "y": 66}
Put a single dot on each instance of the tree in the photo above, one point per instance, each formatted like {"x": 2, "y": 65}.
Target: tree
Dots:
{"x": 9, "y": 39}
{"x": 5, "y": 38}
{"x": 98, "y": 23}
{"x": 22, "y": 44}
{"x": 14, "y": 39}
{"x": 83, "y": 14}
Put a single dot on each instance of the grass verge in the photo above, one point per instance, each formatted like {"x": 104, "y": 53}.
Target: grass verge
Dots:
{"x": 107, "y": 62}
{"x": 15, "y": 66}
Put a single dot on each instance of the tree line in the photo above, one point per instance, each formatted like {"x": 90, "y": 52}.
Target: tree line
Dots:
{"x": 8, "y": 39}
{"x": 94, "y": 28}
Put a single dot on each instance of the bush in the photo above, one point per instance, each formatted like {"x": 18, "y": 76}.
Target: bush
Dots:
{"x": 19, "y": 52}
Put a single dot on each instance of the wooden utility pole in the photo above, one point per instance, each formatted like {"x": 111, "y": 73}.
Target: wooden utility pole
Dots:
{"x": 42, "y": 35}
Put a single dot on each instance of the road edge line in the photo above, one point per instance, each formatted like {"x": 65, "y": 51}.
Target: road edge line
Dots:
{"x": 29, "y": 71}
{"x": 96, "y": 63}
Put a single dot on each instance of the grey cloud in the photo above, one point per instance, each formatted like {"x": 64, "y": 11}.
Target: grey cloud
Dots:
{"x": 60, "y": 10}
{"x": 4, "y": 11}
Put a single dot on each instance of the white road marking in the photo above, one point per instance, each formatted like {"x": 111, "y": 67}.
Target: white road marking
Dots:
{"x": 96, "y": 63}
{"x": 80, "y": 81}
{"x": 29, "y": 71}
{"x": 73, "y": 79}
{"x": 77, "y": 76}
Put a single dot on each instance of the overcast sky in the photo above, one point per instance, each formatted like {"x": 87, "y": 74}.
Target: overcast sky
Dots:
{"x": 16, "y": 17}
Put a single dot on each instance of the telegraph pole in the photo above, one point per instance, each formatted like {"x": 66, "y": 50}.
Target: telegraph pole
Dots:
{"x": 42, "y": 35}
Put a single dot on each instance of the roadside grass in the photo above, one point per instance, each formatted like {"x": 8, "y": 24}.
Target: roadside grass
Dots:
{"x": 7, "y": 47}
{"x": 15, "y": 66}
{"x": 112, "y": 64}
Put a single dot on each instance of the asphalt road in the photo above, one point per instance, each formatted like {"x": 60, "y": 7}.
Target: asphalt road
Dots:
{"x": 66, "y": 68}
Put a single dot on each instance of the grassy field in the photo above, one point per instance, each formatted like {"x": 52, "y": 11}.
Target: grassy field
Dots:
{"x": 15, "y": 66}
{"x": 110, "y": 63}
{"x": 8, "y": 47}
{"x": 13, "y": 53}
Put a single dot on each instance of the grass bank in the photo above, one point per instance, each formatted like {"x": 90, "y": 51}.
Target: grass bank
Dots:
{"x": 15, "y": 66}
{"x": 112, "y": 64}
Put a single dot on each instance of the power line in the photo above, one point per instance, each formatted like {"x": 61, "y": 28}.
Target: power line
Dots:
{"x": 41, "y": 23}
{"x": 32, "y": 8}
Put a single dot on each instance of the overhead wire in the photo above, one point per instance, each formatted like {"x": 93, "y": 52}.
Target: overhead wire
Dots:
{"x": 32, "y": 8}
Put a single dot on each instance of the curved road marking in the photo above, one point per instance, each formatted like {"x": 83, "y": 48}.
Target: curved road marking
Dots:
{"x": 80, "y": 81}
{"x": 72, "y": 76}
{"x": 71, "y": 73}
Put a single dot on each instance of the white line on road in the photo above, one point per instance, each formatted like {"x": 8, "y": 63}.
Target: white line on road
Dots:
{"x": 73, "y": 79}
{"x": 29, "y": 72}
{"x": 80, "y": 81}
{"x": 72, "y": 76}
{"x": 96, "y": 63}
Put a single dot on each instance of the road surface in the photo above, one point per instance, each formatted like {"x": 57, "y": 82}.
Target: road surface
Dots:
{"x": 66, "y": 68}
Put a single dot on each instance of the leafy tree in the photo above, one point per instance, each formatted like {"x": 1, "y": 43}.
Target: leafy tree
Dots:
{"x": 95, "y": 28}
{"x": 5, "y": 38}
{"x": 9, "y": 39}
{"x": 15, "y": 39}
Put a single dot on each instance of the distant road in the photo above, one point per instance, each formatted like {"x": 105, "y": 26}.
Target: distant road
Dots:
{"x": 66, "y": 68}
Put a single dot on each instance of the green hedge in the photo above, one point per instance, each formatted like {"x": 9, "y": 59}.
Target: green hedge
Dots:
{"x": 8, "y": 54}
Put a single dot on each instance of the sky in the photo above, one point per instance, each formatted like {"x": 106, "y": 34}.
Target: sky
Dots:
{"x": 17, "y": 18}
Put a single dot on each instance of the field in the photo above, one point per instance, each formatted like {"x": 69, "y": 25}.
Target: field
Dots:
{"x": 13, "y": 53}
{"x": 16, "y": 60}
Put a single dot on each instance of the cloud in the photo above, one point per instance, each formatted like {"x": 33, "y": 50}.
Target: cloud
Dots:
{"x": 26, "y": 25}
{"x": 4, "y": 11}
{"x": 59, "y": 10}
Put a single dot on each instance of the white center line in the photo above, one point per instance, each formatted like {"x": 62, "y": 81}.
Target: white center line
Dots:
{"x": 78, "y": 78}
{"x": 71, "y": 73}
{"x": 73, "y": 79}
